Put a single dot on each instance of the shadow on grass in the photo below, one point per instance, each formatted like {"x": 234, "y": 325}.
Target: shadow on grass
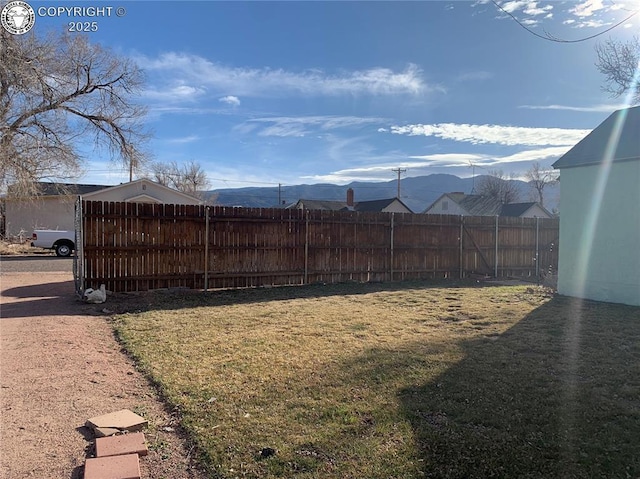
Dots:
{"x": 558, "y": 395}
{"x": 186, "y": 298}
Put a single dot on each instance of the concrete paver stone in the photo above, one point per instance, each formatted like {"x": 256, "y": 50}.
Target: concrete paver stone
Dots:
{"x": 123, "y": 420}
{"x": 113, "y": 467}
{"x": 122, "y": 444}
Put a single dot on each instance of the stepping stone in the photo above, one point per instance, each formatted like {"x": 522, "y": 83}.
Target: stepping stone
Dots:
{"x": 114, "y": 467}
{"x": 122, "y": 444}
{"x": 115, "y": 422}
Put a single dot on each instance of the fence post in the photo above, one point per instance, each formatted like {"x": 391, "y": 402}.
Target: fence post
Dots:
{"x": 537, "y": 250}
{"x": 461, "y": 252}
{"x": 495, "y": 269}
{"x": 306, "y": 248}
{"x": 78, "y": 259}
{"x": 206, "y": 249}
{"x": 391, "y": 243}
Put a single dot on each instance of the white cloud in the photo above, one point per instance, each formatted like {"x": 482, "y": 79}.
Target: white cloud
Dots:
{"x": 533, "y": 155}
{"x": 533, "y": 9}
{"x": 528, "y": 7}
{"x": 594, "y": 108}
{"x": 588, "y": 8}
{"x": 371, "y": 173}
{"x": 183, "y": 140}
{"x": 592, "y": 24}
{"x": 175, "y": 93}
{"x": 441, "y": 162}
{"x": 582, "y": 14}
{"x": 301, "y": 126}
{"x": 497, "y": 134}
{"x": 513, "y": 6}
{"x": 464, "y": 159}
{"x": 230, "y": 100}
{"x": 276, "y": 82}
{"x": 447, "y": 160}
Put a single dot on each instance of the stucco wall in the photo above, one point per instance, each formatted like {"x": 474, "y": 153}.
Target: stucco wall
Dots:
{"x": 535, "y": 211}
{"x": 56, "y": 213}
{"x": 452, "y": 208}
{"x": 600, "y": 241}
{"x": 396, "y": 207}
{"x": 141, "y": 188}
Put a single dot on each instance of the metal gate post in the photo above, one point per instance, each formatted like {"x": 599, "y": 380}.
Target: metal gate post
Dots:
{"x": 537, "y": 250}
{"x": 495, "y": 270}
{"x": 206, "y": 250}
{"x": 78, "y": 258}
{"x": 306, "y": 248}
{"x": 391, "y": 245}
{"x": 461, "y": 251}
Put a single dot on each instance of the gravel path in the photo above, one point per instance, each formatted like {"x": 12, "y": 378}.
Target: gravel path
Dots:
{"x": 60, "y": 365}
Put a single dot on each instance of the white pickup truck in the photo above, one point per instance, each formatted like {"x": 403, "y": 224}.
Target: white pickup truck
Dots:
{"x": 63, "y": 242}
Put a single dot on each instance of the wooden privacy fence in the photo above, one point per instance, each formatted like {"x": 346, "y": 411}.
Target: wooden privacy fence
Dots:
{"x": 137, "y": 247}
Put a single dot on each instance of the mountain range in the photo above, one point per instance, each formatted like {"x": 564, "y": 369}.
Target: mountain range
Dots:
{"x": 418, "y": 192}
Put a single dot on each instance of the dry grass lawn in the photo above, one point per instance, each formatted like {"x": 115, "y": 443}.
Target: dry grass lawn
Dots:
{"x": 397, "y": 381}
{"x": 19, "y": 248}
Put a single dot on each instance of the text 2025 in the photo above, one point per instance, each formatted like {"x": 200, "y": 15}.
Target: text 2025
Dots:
{"x": 82, "y": 27}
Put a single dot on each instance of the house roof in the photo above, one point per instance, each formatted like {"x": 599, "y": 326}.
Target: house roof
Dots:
{"x": 377, "y": 205}
{"x": 57, "y": 189}
{"x": 155, "y": 184}
{"x": 363, "y": 206}
{"x": 320, "y": 205}
{"x": 518, "y": 209}
{"x": 621, "y": 127}
{"x": 478, "y": 205}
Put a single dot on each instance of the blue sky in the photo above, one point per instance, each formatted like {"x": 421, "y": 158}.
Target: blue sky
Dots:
{"x": 308, "y": 92}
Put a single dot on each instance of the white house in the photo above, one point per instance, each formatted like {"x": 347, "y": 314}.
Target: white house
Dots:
{"x": 600, "y": 220}
{"x": 477, "y": 205}
{"x": 54, "y": 207}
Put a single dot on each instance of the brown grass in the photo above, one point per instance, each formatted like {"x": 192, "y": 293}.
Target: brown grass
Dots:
{"x": 410, "y": 380}
{"x": 19, "y": 248}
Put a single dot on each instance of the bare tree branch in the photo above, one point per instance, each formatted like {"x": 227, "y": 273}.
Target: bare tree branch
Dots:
{"x": 619, "y": 62}
{"x": 58, "y": 93}
{"x": 496, "y": 185}
{"x": 539, "y": 179}
{"x": 188, "y": 178}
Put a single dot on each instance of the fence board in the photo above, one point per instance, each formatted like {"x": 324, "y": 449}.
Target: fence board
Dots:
{"x": 136, "y": 247}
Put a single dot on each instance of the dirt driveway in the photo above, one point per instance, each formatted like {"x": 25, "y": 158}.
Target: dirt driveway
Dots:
{"x": 60, "y": 365}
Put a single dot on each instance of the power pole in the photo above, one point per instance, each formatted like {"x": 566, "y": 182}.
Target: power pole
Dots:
{"x": 399, "y": 171}
{"x": 473, "y": 177}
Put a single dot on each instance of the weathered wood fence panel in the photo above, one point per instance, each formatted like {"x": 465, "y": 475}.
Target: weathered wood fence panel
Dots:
{"x": 137, "y": 247}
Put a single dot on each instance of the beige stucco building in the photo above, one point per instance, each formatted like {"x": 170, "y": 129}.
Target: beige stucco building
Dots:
{"x": 54, "y": 208}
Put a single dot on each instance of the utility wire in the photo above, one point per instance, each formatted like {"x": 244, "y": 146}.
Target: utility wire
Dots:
{"x": 551, "y": 38}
